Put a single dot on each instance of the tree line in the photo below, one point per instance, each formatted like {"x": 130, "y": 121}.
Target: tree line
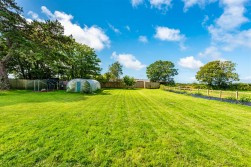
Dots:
{"x": 39, "y": 50}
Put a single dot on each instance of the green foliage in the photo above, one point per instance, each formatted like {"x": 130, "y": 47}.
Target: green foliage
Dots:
{"x": 12, "y": 28}
{"x": 129, "y": 81}
{"x": 161, "y": 71}
{"x": 245, "y": 99}
{"x": 218, "y": 74}
{"x": 115, "y": 71}
{"x": 40, "y": 50}
{"x": 230, "y": 98}
{"x": 240, "y": 86}
{"x": 87, "y": 87}
{"x": 122, "y": 128}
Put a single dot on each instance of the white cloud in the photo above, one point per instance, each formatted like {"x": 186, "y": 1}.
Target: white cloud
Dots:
{"x": 143, "y": 39}
{"x": 128, "y": 28}
{"x": 114, "y": 29}
{"x": 128, "y": 60}
{"x": 212, "y": 52}
{"x": 135, "y": 3}
{"x": 168, "y": 34}
{"x": 233, "y": 15}
{"x": 226, "y": 30}
{"x": 34, "y": 16}
{"x": 201, "y": 3}
{"x": 161, "y": 4}
{"x": 190, "y": 63}
{"x": 205, "y": 20}
{"x": 93, "y": 36}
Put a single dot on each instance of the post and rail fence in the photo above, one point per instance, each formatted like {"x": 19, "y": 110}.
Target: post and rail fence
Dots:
{"x": 230, "y": 95}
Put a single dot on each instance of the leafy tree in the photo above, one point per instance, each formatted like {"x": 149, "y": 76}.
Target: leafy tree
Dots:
{"x": 44, "y": 56}
{"x": 128, "y": 81}
{"x": 217, "y": 74}
{"x": 84, "y": 62}
{"x": 115, "y": 71}
{"x": 12, "y": 26}
{"x": 161, "y": 71}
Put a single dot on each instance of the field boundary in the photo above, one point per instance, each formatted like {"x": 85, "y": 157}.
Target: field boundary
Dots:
{"x": 235, "y": 97}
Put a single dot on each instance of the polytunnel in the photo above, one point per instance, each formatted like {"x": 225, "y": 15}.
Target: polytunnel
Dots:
{"x": 77, "y": 85}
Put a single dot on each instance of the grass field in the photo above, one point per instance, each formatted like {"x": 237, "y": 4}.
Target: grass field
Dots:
{"x": 122, "y": 128}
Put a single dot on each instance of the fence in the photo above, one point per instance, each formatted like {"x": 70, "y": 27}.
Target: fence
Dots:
{"x": 36, "y": 85}
{"x": 138, "y": 84}
{"x": 231, "y": 95}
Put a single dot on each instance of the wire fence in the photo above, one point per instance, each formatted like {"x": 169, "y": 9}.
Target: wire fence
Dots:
{"x": 222, "y": 94}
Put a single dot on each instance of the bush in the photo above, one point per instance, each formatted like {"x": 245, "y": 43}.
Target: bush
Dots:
{"x": 87, "y": 87}
{"x": 128, "y": 81}
{"x": 245, "y": 99}
{"x": 162, "y": 87}
{"x": 230, "y": 98}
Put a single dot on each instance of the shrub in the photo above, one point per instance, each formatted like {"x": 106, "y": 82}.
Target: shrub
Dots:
{"x": 87, "y": 87}
{"x": 128, "y": 81}
{"x": 230, "y": 98}
{"x": 245, "y": 99}
{"x": 162, "y": 87}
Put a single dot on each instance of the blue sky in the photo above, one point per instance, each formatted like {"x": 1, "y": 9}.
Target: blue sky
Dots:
{"x": 136, "y": 33}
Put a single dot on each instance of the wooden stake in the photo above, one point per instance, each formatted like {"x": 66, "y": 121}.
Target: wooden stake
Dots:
{"x": 237, "y": 95}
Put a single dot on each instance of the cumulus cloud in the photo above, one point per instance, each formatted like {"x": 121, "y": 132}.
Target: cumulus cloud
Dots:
{"x": 93, "y": 36}
{"x": 212, "y": 52}
{"x": 168, "y": 34}
{"x": 233, "y": 15}
{"x": 171, "y": 35}
{"x": 190, "y": 63}
{"x": 135, "y": 3}
{"x": 34, "y": 16}
{"x": 128, "y": 61}
{"x": 161, "y": 4}
{"x": 143, "y": 39}
{"x": 201, "y": 3}
{"x": 226, "y": 30}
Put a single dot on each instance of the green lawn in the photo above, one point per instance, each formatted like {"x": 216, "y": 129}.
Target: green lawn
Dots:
{"x": 122, "y": 128}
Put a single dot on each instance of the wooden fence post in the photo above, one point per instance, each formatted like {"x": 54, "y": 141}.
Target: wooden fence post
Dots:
{"x": 207, "y": 92}
{"x": 237, "y": 95}
{"x": 220, "y": 94}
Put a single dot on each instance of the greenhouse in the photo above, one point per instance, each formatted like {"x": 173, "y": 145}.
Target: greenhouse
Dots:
{"x": 83, "y": 85}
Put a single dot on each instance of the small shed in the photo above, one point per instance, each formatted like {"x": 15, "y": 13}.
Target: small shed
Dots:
{"x": 77, "y": 85}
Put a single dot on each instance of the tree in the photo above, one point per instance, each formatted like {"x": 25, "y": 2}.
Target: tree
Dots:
{"x": 217, "y": 74}
{"x": 83, "y": 63}
{"x": 12, "y": 26}
{"x": 115, "y": 70}
{"x": 128, "y": 81}
{"x": 43, "y": 57}
{"x": 161, "y": 71}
